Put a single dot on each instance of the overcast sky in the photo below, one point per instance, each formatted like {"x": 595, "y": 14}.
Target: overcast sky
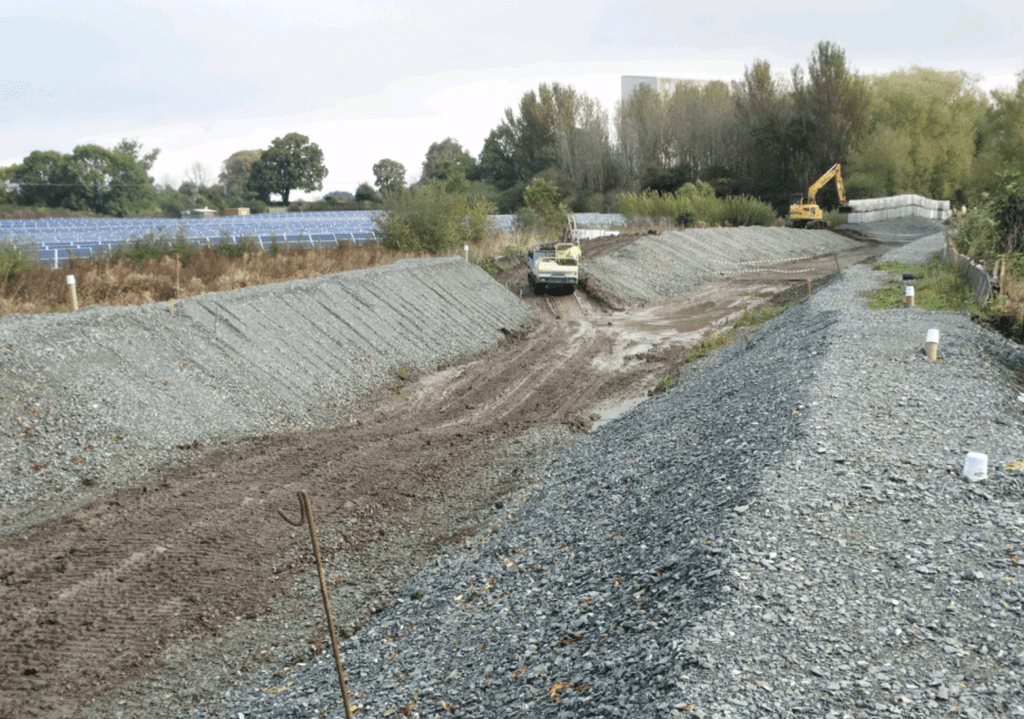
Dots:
{"x": 369, "y": 80}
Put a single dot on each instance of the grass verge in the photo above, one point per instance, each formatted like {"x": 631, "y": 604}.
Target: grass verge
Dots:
{"x": 937, "y": 286}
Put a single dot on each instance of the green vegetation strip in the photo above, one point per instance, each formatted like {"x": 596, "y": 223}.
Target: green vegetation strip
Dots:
{"x": 937, "y": 286}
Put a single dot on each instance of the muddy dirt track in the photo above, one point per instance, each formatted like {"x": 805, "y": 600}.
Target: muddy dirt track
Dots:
{"x": 95, "y": 600}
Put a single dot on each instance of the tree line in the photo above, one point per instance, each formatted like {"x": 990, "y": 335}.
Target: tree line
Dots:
{"x": 768, "y": 136}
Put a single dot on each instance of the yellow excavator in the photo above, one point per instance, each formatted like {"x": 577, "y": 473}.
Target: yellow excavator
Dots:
{"x": 804, "y": 212}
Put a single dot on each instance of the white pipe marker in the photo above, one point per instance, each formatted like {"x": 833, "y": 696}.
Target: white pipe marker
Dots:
{"x": 931, "y": 344}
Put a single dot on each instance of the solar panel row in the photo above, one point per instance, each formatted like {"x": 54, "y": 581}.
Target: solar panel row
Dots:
{"x": 55, "y": 237}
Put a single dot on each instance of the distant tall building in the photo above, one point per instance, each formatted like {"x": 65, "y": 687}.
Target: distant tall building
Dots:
{"x": 663, "y": 85}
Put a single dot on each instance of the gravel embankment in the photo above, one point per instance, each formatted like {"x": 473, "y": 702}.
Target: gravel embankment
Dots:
{"x": 782, "y": 534}
{"x": 677, "y": 262}
{"x": 900, "y": 229}
{"x": 96, "y": 398}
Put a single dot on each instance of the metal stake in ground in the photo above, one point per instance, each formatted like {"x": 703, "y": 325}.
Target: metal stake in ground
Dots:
{"x": 307, "y": 515}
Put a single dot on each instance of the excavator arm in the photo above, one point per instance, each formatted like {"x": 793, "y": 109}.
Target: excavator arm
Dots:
{"x": 836, "y": 172}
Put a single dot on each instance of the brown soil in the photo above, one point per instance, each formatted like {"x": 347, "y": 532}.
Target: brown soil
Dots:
{"x": 95, "y": 600}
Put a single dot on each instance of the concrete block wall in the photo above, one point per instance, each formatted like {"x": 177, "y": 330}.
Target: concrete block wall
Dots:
{"x": 888, "y": 208}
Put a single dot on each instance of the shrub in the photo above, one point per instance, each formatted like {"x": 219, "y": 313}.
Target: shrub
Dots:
{"x": 156, "y": 245}
{"x": 243, "y": 246}
{"x": 428, "y": 217}
{"x": 743, "y": 211}
{"x": 13, "y": 259}
{"x": 976, "y": 233}
{"x": 542, "y": 211}
{"x": 694, "y": 203}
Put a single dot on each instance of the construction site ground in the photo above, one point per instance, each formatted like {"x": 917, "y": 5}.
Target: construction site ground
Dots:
{"x": 155, "y": 596}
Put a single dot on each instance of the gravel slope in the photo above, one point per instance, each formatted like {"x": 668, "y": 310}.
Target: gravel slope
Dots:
{"x": 97, "y": 397}
{"x": 677, "y": 262}
{"x": 782, "y": 534}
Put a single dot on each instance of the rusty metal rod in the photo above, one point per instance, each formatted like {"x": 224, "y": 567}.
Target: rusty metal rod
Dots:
{"x": 307, "y": 515}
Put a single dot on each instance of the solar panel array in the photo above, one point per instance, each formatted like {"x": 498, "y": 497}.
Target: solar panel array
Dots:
{"x": 59, "y": 237}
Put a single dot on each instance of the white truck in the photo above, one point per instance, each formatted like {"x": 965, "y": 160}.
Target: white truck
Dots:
{"x": 553, "y": 265}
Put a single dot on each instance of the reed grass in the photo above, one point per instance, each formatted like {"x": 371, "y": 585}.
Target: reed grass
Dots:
{"x": 122, "y": 282}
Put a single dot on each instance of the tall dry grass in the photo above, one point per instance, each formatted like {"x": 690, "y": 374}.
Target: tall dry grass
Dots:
{"x": 121, "y": 282}
{"x": 508, "y": 244}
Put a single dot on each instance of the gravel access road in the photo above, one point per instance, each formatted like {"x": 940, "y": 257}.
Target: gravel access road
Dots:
{"x": 783, "y": 534}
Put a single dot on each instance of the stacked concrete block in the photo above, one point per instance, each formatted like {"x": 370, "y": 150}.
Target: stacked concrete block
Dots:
{"x": 888, "y": 208}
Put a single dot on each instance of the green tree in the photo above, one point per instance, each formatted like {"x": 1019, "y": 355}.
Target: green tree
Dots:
{"x": 390, "y": 176}
{"x": 105, "y": 182}
{"x": 644, "y": 144}
{"x": 133, "y": 148}
{"x": 763, "y": 107}
{"x": 446, "y": 159}
{"x": 669, "y": 138}
{"x": 290, "y": 163}
{"x": 91, "y": 178}
{"x": 129, "y": 190}
{"x": 830, "y": 112}
{"x": 8, "y": 190}
{"x": 703, "y": 130}
{"x": 1000, "y": 140}
{"x": 497, "y": 158}
{"x": 557, "y": 131}
{"x": 37, "y": 179}
{"x": 366, "y": 193}
{"x": 171, "y": 202}
{"x": 235, "y": 172}
{"x": 921, "y": 134}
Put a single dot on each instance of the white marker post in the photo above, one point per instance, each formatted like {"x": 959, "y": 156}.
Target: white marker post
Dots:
{"x": 931, "y": 345}
{"x": 909, "y": 295}
{"x": 74, "y": 293}
{"x": 465, "y": 248}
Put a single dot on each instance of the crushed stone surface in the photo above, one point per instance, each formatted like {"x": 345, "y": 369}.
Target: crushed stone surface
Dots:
{"x": 678, "y": 262}
{"x": 785, "y": 533}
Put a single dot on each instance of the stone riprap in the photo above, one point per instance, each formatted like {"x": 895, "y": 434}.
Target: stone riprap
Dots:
{"x": 100, "y": 395}
{"x": 677, "y": 262}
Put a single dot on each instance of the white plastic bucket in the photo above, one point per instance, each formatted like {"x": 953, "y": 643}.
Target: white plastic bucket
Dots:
{"x": 975, "y": 465}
